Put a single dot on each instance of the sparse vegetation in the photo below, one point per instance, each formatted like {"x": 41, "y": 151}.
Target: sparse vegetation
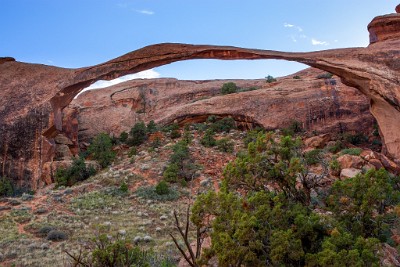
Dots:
{"x": 296, "y": 77}
{"x": 313, "y": 157}
{"x": 152, "y": 127}
{"x": 181, "y": 167}
{"x": 293, "y": 128}
{"x": 208, "y": 139}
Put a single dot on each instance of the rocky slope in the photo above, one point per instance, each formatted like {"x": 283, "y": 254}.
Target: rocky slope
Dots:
{"x": 33, "y": 97}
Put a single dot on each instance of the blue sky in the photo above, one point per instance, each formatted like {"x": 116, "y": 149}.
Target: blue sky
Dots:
{"x": 77, "y": 33}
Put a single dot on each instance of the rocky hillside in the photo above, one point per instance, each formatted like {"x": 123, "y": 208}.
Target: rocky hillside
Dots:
{"x": 36, "y": 230}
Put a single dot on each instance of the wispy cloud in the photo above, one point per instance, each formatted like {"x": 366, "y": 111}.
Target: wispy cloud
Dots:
{"x": 318, "y": 42}
{"x": 288, "y": 25}
{"x": 147, "y": 74}
{"x": 145, "y": 12}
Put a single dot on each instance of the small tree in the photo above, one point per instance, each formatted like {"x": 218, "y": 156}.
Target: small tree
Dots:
{"x": 101, "y": 149}
{"x": 138, "y": 134}
{"x": 6, "y": 188}
{"x": 152, "y": 127}
{"x": 270, "y": 79}
{"x": 229, "y": 88}
{"x": 208, "y": 139}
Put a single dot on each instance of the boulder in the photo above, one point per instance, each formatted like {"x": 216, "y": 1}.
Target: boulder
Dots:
{"x": 349, "y": 173}
{"x": 317, "y": 141}
{"x": 62, "y": 140}
{"x": 350, "y": 161}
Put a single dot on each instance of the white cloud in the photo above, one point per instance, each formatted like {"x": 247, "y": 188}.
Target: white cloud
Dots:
{"x": 145, "y": 12}
{"x": 147, "y": 74}
{"x": 317, "y": 42}
{"x": 288, "y": 25}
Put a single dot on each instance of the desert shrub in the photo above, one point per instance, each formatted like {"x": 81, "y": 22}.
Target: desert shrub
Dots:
{"x": 101, "y": 149}
{"x": 356, "y": 139}
{"x": 181, "y": 167}
{"x": 334, "y": 166}
{"x": 150, "y": 192}
{"x": 95, "y": 200}
{"x": 170, "y": 127}
{"x": 326, "y": 75}
{"x": 313, "y": 157}
{"x": 224, "y": 125}
{"x": 77, "y": 172}
{"x": 6, "y": 188}
{"x": 225, "y": 145}
{"x": 123, "y": 137}
{"x": 338, "y": 146}
{"x": 296, "y": 77}
{"x": 56, "y": 235}
{"x": 351, "y": 151}
{"x": 175, "y": 134}
{"x": 229, "y": 88}
{"x": 106, "y": 251}
{"x": 251, "y": 136}
{"x": 162, "y": 188}
{"x": 152, "y": 127}
{"x": 247, "y": 89}
{"x": 44, "y": 230}
{"x": 138, "y": 134}
{"x": 270, "y": 79}
{"x": 211, "y": 119}
{"x": 208, "y": 139}
{"x": 201, "y": 127}
{"x": 293, "y": 128}
{"x": 132, "y": 152}
{"x": 124, "y": 188}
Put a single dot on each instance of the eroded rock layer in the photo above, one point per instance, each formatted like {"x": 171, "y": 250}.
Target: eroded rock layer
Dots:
{"x": 33, "y": 96}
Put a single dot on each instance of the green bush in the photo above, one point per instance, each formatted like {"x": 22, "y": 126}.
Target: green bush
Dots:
{"x": 132, "y": 152}
{"x": 101, "y": 149}
{"x": 338, "y": 146}
{"x": 296, "y": 77}
{"x": 138, "y": 134}
{"x": 152, "y": 127}
{"x": 171, "y": 173}
{"x": 123, "y": 137}
{"x": 211, "y": 119}
{"x": 270, "y": 79}
{"x": 106, "y": 251}
{"x": 124, "y": 188}
{"x": 208, "y": 139}
{"x": 77, "y": 172}
{"x": 229, "y": 88}
{"x": 6, "y": 188}
{"x": 162, "y": 188}
{"x": 56, "y": 235}
{"x": 170, "y": 127}
{"x": 334, "y": 166}
{"x": 180, "y": 167}
{"x": 293, "y": 128}
{"x": 225, "y": 145}
{"x": 175, "y": 134}
{"x": 150, "y": 192}
{"x": 224, "y": 125}
{"x": 356, "y": 139}
{"x": 313, "y": 157}
{"x": 351, "y": 151}
{"x": 326, "y": 75}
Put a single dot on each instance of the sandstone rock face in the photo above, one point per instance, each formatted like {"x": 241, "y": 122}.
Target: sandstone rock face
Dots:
{"x": 316, "y": 103}
{"x": 33, "y": 96}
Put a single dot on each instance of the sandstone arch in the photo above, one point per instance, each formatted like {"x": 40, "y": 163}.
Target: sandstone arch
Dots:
{"x": 33, "y": 96}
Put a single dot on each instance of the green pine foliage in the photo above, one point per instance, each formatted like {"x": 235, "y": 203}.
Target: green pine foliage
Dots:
{"x": 77, "y": 172}
{"x": 101, "y": 149}
{"x": 254, "y": 224}
{"x": 138, "y": 134}
{"x": 6, "y": 188}
{"x": 229, "y": 88}
{"x": 208, "y": 139}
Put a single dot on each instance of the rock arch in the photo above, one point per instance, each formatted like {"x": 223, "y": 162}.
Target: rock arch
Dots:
{"x": 33, "y": 96}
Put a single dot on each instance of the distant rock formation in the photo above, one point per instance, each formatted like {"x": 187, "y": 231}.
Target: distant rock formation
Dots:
{"x": 33, "y": 96}
{"x": 322, "y": 105}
